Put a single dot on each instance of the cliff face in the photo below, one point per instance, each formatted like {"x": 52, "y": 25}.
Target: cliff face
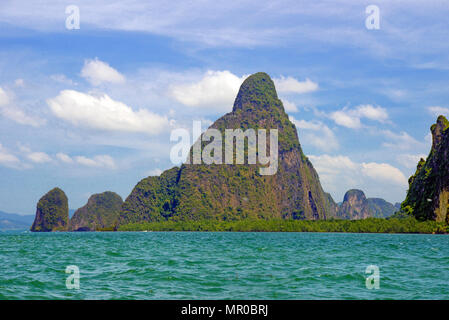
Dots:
{"x": 428, "y": 194}
{"x": 237, "y": 191}
{"x": 355, "y": 206}
{"x": 52, "y": 213}
{"x": 101, "y": 211}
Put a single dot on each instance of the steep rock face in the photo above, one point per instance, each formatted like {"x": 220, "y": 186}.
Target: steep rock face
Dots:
{"x": 238, "y": 191}
{"x": 355, "y": 206}
{"x": 380, "y": 208}
{"x": 52, "y": 213}
{"x": 428, "y": 193}
{"x": 101, "y": 211}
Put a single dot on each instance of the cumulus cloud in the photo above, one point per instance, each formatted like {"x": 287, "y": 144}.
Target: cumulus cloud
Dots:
{"x": 383, "y": 172}
{"x": 401, "y": 141}
{"x": 98, "y": 72}
{"x": 216, "y": 90}
{"x": 34, "y": 156}
{"x": 61, "y": 78}
{"x": 316, "y": 134}
{"x": 101, "y": 161}
{"x": 39, "y": 157}
{"x": 4, "y": 98}
{"x": 339, "y": 174}
{"x": 7, "y": 159}
{"x": 103, "y": 113}
{"x": 64, "y": 158}
{"x": 410, "y": 160}
{"x": 437, "y": 110}
{"x": 292, "y": 85}
{"x": 9, "y": 110}
{"x": 351, "y": 118}
{"x": 289, "y": 106}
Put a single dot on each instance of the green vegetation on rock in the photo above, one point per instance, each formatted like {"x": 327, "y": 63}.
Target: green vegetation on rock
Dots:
{"x": 236, "y": 192}
{"x": 52, "y": 213}
{"x": 101, "y": 212}
{"x": 428, "y": 194}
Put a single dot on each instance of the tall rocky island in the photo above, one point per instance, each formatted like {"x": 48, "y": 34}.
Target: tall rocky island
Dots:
{"x": 238, "y": 191}
{"x": 356, "y": 206}
{"x": 101, "y": 212}
{"x": 52, "y": 213}
{"x": 428, "y": 194}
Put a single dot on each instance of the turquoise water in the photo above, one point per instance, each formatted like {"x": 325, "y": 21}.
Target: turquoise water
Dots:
{"x": 188, "y": 265}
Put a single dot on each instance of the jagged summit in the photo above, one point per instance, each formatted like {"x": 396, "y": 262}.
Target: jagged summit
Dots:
{"x": 428, "y": 194}
{"x": 256, "y": 91}
{"x": 231, "y": 191}
{"x": 437, "y": 130}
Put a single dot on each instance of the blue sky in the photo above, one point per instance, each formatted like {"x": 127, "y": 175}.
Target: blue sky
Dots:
{"x": 91, "y": 109}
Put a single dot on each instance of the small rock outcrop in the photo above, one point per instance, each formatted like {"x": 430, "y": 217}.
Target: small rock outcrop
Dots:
{"x": 101, "y": 212}
{"x": 428, "y": 193}
{"x": 52, "y": 213}
{"x": 354, "y": 206}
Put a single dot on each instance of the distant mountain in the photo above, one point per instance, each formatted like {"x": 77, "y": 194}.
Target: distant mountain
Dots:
{"x": 428, "y": 193}
{"x": 356, "y": 206}
{"x": 13, "y": 221}
{"x": 381, "y": 208}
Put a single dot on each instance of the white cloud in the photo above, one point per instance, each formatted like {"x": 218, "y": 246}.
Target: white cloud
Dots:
{"x": 339, "y": 174}
{"x": 4, "y": 98}
{"x": 61, "y": 78}
{"x": 292, "y": 85}
{"x": 437, "y": 110}
{"x": 12, "y": 112}
{"x": 384, "y": 172}
{"x": 104, "y": 113}
{"x": 155, "y": 172}
{"x": 289, "y": 106}
{"x": 215, "y": 90}
{"x": 101, "y": 161}
{"x": 19, "y": 82}
{"x": 98, "y": 72}
{"x": 64, "y": 158}
{"x": 39, "y": 157}
{"x": 351, "y": 118}
{"x": 410, "y": 160}
{"x": 7, "y": 159}
{"x": 401, "y": 141}
{"x": 316, "y": 134}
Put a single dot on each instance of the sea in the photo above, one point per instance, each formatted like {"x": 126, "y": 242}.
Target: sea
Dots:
{"x": 223, "y": 265}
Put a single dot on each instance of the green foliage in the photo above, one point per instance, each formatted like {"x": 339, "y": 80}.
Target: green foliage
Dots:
{"x": 236, "y": 192}
{"x": 102, "y": 211}
{"x": 52, "y": 212}
{"x": 370, "y": 225}
{"x": 431, "y": 178}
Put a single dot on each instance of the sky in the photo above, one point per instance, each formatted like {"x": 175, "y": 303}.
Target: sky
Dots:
{"x": 91, "y": 109}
